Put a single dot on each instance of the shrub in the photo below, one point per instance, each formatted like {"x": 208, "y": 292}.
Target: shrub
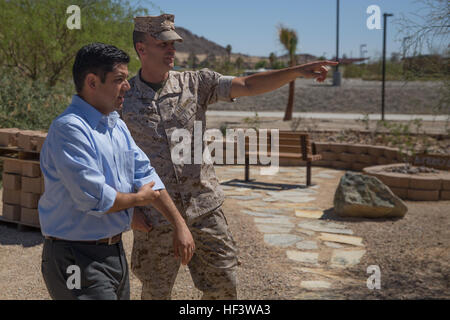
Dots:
{"x": 27, "y": 104}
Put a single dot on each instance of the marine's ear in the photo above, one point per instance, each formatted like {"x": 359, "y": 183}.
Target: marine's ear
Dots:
{"x": 140, "y": 47}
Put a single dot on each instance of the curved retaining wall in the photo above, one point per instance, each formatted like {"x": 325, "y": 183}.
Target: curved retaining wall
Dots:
{"x": 355, "y": 156}
{"x": 372, "y": 160}
{"x": 428, "y": 187}
{"x": 350, "y": 156}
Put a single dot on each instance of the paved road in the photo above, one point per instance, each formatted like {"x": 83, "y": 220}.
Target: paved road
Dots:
{"x": 342, "y": 116}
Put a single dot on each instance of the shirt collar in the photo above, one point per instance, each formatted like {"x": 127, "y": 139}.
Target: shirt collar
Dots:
{"x": 147, "y": 92}
{"x": 92, "y": 115}
{"x": 110, "y": 120}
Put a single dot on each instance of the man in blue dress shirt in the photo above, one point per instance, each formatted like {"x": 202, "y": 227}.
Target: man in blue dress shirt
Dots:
{"x": 94, "y": 175}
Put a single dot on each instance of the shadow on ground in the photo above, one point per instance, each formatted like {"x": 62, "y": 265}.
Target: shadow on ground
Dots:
{"x": 257, "y": 185}
{"x": 10, "y": 234}
{"x": 330, "y": 214}
{"x": 321, "y": 85}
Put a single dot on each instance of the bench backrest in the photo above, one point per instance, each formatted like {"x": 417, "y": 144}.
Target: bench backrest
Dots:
{"x": 289, "y": 142}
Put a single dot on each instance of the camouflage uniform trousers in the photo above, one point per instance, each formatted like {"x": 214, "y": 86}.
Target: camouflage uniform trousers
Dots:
{"x": 212, "y": 267}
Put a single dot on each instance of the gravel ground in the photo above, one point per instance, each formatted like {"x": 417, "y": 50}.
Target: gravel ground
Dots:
{"x": 260, "y": 273}
{"x": 354, "y": 95}
{"x": 413, "y": 254}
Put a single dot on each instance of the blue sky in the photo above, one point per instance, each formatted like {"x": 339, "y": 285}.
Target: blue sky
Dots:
{"x": 250, "y": 26}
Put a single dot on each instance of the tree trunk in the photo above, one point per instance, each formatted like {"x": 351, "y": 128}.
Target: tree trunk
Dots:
{"x": 290, "y": 105}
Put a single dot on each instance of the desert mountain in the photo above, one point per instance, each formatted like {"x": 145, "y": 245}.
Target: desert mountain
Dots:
{"x": 198, "y": 45}
{"x": 203, "y": 48}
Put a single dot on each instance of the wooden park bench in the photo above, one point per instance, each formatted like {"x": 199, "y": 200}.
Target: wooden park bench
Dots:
{"x": 292, "y": 145}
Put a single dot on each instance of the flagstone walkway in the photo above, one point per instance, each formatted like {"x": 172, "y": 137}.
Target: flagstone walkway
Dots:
{"x": 291, "y": 217}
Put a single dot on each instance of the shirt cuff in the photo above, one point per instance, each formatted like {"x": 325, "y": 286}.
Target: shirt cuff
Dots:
{"x": 106, "y": 202}
{"x": 153, "y": 177}
{"x": 224, "y": 89}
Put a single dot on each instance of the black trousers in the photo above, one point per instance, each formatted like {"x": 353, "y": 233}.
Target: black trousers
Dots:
{"x": 79, "y": 271}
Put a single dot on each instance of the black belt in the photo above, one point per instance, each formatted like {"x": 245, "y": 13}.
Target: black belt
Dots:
{"x": 110, "y": 241}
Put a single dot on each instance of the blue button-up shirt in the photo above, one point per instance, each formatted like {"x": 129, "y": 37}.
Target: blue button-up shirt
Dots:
{"x": 86, "y": 159}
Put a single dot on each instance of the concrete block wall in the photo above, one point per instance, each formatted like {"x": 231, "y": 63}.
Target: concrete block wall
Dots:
{"x": 414, "y": 187}
{"x": 354, "y": 156}
{"x": 342, "y": 156}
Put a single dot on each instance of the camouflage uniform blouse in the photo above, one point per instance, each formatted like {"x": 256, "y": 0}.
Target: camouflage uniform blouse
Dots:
{"x": 153, "y": 116}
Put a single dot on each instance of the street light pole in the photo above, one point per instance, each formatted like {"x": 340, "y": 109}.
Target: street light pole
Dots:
{"x": 337, "y": 34}
{"x": 385, "y": 16}
{"x": 337, "y": 74}
{"x": 361, "y": 51}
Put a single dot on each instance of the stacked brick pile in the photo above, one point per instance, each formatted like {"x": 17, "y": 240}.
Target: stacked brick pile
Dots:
{"x": 25, "y": 140}
{"x": 23, "y": 183}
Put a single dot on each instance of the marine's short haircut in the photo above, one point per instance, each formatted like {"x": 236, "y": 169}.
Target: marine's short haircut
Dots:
{"x": 96, "y": 58}
{"x": 138, "y": 37}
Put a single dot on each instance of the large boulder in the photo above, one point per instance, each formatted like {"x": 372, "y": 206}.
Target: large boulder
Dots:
{"x": 360, "y": 195}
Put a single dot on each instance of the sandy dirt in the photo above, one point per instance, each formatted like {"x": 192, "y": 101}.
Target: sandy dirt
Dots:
{"x": 412, "y": 253}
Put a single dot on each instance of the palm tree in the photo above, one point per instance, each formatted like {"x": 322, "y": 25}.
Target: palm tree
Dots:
{"x": 272, "y": 59}
{"x": 289, "y": 39}
{"x": 228, "y": 49}
{"x": 239, "y": 62}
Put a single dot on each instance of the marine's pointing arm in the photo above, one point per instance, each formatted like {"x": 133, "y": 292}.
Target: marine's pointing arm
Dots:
{"x": 268, "y": 81}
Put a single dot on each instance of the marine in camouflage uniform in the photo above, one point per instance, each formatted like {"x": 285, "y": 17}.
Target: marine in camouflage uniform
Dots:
{"x": 153, "y": 111}
{"x": 152, "y": 117}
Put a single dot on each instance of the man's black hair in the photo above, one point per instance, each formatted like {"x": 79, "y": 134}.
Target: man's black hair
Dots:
{"x": 97, "y": 58}
{"x": 138, "y": 37}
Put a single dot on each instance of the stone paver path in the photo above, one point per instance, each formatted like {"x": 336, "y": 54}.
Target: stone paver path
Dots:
{"x": 290, "y": 219}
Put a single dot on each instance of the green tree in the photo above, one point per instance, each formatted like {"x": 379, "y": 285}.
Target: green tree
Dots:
{"x": 211, "y": 60}
{"x": 239, "y": 63}
{"x": 261, "y": 64}
{"x": 288, "y": 38}
{"x": 28, "y": 104}
{"x": 279, "y": 65}
{"x": 35, "y": 39}
{"x": 192, "y": 60}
